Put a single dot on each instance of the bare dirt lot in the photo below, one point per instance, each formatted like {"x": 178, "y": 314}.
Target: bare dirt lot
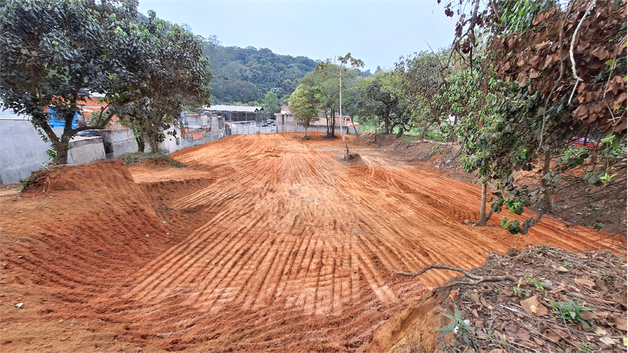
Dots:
{"x": 263, "y": 243}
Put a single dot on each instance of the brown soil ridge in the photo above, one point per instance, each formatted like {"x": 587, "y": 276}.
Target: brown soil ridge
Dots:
{"x": 264, "y": 243}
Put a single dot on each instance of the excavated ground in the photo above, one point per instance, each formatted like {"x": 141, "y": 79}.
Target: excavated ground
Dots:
{"x": 263, "y": 243}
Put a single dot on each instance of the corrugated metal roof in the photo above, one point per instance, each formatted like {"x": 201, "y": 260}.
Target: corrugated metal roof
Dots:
{"x": 233, "y": 108}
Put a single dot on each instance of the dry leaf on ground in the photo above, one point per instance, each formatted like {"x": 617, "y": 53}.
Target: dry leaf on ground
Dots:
{"x": 533, "y": 307}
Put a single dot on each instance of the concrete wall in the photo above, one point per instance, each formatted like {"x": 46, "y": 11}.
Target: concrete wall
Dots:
{"x": 86, "y": 150}
{"x": 178, "y": 142}
{"x": 118, "y": 142}
{"x": 298, "y": 128}
{"x": 286, "y": 123}
{"x": 22, "y": 149}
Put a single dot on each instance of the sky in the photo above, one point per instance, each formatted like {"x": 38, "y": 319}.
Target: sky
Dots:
{"x": 377, "y": 31}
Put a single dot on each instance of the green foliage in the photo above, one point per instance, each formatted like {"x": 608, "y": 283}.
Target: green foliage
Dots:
{"x": 585, "y": 348}
{"x": 58, "y": 53}
{"x": 55, "y": 54}
{"x": 573, "y": 157}
{"x": 23, "y": 184}
{"x": 513, "y": 226}
{"x": 166, "y": 71}
{"x": 517, "y": 291}
{"x": 570, "y": 311}
{"x": 132, "y": 158}
{"x": 305, "y": 104}
{"x": 537, "y": 284}
{"x": 271, "y": 105}
{"x": 492, "y": 126}
{"x": 517, "y": 15}
{"x": 460, "y": 327}
{"x": 244, "y": 75}
{"x": 515, "y": 204}
{"x": 419, "y": 81}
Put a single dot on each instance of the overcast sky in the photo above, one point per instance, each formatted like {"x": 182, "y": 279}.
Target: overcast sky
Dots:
{"x": 376, "y": 31}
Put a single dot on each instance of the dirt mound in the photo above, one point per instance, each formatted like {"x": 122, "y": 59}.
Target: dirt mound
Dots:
{"x": 105, "y": 174}
{"x": 265, "y": 243}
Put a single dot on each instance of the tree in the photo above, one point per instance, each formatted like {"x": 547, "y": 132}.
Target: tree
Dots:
{"x": 271, "y": 105}
{"x": 551, "y": 52}
{"x": 328, "y": 87}
{"x": 258, "y": 71}
{"x": 56, "y": 55}
{"x": 170, "y": 73}
{"x": 340, "y": 74}
{"x": 304, "y": 105}
{"x": 421, "y": 80}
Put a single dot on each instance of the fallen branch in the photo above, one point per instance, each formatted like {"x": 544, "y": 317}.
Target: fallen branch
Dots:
{"x": 477, "y": 279}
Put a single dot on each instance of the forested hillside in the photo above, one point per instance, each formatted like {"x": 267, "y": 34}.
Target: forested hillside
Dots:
{"x": 245, "y": 75}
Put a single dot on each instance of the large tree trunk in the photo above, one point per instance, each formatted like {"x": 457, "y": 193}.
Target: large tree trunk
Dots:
{"x": 61, "y": 151}
{"x": 386, "y": 124}
{"x": 60, "y": 146}
{"x": 141, "y": 145}
{"x": 333, "y": 125}
{"x": 354, "y": 128}
{"x": 154, "y": 145}
{"x": 327, "y": 123}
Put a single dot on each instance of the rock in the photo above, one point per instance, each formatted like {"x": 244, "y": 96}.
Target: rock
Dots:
{"x": 512, "y": 252}
{"x": 19, "y": 305}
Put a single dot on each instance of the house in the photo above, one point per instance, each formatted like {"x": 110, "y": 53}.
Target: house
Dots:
{"x": 286, "y": 123}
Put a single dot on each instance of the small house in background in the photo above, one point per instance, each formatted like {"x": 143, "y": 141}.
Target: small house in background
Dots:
{"x": 286, "y": 123}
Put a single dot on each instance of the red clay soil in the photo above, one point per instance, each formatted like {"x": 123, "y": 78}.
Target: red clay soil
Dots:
{"x": 264, "y": 243}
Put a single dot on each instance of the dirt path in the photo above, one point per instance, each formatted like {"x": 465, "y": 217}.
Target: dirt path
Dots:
{"x": 264, "y": 243}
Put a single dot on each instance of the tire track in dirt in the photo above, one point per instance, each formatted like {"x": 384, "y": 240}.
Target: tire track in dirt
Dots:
{"x": 283, "y": 247}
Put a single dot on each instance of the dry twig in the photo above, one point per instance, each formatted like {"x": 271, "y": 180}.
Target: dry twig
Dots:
{"x": 478, "y": 279}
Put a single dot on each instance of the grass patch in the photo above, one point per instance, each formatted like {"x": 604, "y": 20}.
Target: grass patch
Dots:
{"x": 132, "y": 158}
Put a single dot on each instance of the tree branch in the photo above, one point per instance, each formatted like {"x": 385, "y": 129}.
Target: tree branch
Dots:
{"x": 456, "y": 269}
{"x": 571, "y": 56}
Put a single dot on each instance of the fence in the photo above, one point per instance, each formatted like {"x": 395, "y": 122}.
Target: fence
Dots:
{"x": 250, "y": 128}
